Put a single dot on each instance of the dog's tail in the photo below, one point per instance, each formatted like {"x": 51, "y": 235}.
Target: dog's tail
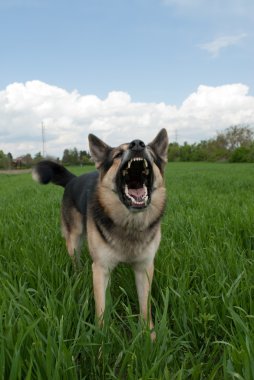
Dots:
{"x": 49, "y": 171}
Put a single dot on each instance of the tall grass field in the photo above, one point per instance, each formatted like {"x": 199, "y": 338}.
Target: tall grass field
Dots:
{"x": 202, "y": 295}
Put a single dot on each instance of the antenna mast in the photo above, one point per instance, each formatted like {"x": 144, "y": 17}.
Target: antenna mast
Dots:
{"x": 43, "y": 139}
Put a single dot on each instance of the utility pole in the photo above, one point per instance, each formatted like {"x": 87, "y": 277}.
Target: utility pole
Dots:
{"x": 43, "y": 139}
{"x": 176, "y": 135}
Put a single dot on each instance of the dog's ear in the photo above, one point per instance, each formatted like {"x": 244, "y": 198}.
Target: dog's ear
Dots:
{"x": 99, "y": 150}
{"x": 160, "y": 145}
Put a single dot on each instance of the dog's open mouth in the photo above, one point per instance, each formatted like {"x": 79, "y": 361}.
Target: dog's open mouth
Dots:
{"x": 136, "y": 178}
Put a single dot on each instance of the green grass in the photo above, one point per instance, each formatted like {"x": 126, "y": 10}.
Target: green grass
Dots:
{"x": 202, "y": 296}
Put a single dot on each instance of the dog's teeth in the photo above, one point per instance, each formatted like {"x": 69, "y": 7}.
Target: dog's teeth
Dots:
{"x": 136, "y": 159}
{"x": 145, "y": 188}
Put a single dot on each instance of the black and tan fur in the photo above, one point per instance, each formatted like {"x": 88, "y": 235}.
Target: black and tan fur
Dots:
{"x": 118, "y": 208}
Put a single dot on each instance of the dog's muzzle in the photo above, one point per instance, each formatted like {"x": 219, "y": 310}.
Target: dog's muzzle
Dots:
{"x": 135, "y": 177}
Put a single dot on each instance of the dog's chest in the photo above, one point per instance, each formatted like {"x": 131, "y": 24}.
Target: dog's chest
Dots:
{"x": 129, "y": 245}
{"x": 124, "y": 246}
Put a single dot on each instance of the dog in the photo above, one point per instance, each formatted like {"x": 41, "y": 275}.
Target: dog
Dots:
{"x": 118, "y": 208}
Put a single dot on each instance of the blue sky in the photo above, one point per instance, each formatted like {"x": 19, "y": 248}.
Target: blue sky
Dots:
{"x": 156, "y": 51}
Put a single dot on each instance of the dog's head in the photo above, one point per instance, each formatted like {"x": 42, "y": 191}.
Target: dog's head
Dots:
{"x": 133, "y": 170}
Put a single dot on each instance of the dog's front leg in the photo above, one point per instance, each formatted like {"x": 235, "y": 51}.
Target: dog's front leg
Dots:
{"x": 100, "y": 282}
{"x": 144, "y": 278}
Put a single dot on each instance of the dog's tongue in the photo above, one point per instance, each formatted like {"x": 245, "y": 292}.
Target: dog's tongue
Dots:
{"x": 137, "y": 193}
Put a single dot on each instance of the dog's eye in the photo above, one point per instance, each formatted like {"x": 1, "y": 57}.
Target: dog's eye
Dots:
{"x": 119, "y": 154}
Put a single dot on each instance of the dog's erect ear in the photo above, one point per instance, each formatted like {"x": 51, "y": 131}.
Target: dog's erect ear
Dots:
{"x": 99, "y": 150}
{"x": 160, "y": 145}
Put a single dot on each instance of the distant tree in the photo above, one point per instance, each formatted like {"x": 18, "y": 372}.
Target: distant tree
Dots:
{"x": 9, "y": 155}
{"x": 37, "y": 157}
{"x": 74, "y": 156}
{"x": 251, "y": 153}
{"x": 240, "y": 154}
{"x": 27, "y": 160}
{"x": 3, "y": 160}
{"x": 185, "y": 152}
{"x": 84, "y": 158}
{"x": 238, "y": 136}
{"x": 10, "y": 159}
{"x": 173, "y": 152}
{"x": 66, "y": 157}
{"x": 199, "y": 152}
{"x": 221, "y": 140}
{"x": 216, "y": 150}
{"x": 70, "y": 157}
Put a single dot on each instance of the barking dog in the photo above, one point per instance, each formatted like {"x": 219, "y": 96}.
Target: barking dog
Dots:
{"x": 118, "y": 207}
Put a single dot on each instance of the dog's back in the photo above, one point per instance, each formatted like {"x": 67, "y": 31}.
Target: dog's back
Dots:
{"x": 79, "y": 191}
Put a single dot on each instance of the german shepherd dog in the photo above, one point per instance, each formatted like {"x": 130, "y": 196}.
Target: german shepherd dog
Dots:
{"x": 118, "y": 207}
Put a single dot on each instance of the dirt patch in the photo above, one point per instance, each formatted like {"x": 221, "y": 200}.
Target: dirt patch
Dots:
{"x": 21, "y": 171}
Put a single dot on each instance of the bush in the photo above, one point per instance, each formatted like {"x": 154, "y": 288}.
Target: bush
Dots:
{"x": 240, "y": 155}
{"x": 4, "y": 161}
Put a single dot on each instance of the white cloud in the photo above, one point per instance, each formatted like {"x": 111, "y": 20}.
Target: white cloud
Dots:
{"x": 214, "y": 47}
{"x": 70, "y": 116}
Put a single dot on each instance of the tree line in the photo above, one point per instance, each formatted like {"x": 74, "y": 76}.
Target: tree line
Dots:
{"x": 70, "y": 157}
{"x": 235, "y": 144}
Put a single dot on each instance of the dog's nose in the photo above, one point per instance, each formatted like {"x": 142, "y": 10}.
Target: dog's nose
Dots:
{"x": 137, "y": 145}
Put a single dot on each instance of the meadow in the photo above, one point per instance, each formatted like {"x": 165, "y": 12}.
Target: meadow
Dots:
{"x": 202, "y": 295}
